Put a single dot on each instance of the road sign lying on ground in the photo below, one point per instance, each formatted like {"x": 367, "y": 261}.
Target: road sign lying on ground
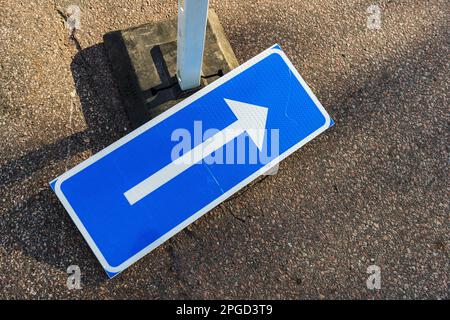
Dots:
{"x": 135, "y": 194}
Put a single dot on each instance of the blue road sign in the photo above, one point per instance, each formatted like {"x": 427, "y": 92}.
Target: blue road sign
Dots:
{"x": 135, "y": 194}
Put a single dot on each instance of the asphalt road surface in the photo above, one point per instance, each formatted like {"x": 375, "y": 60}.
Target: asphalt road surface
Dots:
{"x": 373, "y": 190}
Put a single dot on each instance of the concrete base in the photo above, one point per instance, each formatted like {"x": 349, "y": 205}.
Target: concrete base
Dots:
{"x": 143, "y": 61}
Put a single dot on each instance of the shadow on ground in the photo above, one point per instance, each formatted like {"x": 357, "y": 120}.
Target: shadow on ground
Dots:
{"x": 40, "y": 227}
{"x": 46, "y": 232}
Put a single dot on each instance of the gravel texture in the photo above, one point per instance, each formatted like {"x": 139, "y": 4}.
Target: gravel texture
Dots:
{"x": 374, "y": 189}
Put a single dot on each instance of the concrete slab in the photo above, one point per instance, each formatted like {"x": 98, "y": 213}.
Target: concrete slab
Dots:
{"x": 143, "y": 60}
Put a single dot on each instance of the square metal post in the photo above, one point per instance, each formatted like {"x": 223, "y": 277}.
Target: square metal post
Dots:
{"x": 192, "y": 18}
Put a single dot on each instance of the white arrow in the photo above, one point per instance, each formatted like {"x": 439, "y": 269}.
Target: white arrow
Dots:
{"x": 250, "y": 119}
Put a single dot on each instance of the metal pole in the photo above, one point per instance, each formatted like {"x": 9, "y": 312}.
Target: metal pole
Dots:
{"x": 192, "y": 18}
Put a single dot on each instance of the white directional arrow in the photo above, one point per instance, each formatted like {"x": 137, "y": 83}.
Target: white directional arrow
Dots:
{"x": 250, "y": 118}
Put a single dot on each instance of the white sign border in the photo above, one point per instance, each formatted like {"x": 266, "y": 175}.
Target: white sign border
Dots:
{"x": 161, "y": 117}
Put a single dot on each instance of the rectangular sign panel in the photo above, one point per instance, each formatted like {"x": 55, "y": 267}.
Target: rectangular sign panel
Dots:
{"x": 135, "y": 194}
